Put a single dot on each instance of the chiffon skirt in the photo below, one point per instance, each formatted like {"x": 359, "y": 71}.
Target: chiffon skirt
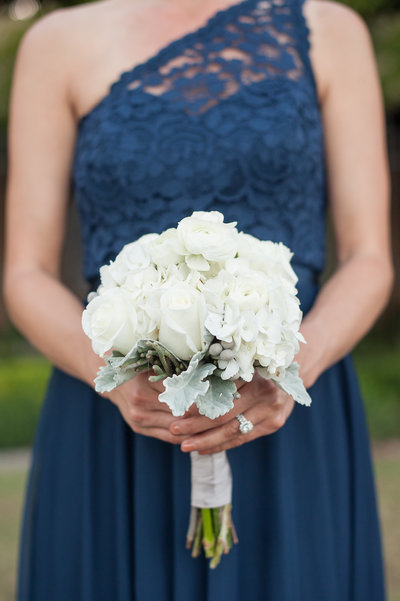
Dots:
{"x": 106, "y": 510}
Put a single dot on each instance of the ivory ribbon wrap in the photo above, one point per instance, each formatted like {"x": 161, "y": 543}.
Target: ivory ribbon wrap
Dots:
{"x": 211, "y": 480}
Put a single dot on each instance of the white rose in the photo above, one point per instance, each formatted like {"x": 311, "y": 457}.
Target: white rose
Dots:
{"x": 166, "y": 249}
{"x": 182, "y": 320}
{"x": 205, "y": 235}
{"x": 110, "y": 321}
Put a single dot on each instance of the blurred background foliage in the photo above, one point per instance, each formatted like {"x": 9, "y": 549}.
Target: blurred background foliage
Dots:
{"x": 23, "y": 374}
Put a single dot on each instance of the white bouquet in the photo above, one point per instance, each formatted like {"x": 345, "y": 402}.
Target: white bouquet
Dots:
{"x": 202, "y": 306}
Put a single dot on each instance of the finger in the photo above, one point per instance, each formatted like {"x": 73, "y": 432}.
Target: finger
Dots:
{"x": 157, "y": 386}
{"x": 263, "y": 425}
{"x": 145, "y": 396}
{"x": 229, "y": 435}
{"x": 211, "y": 438}
{"x": 194, "y": 424}
{"x": 160, "y": 433}
{"x": 230, "y": 444}
{"x": 142, "y": 381}
{"x": 142, "y": 418}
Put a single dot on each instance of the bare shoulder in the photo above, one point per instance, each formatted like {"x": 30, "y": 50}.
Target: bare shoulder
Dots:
{"x": 63, "y": 36}
{"x": 340, "y": 39}
{"x": 334, "y": 13}
{"x": 59, "y": 46}
{"x": 63, "y": 29}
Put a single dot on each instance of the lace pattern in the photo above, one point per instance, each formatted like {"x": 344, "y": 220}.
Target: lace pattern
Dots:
{"x": 224, "y": 118}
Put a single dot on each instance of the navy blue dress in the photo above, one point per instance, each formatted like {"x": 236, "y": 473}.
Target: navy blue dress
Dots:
{"x": 224, "y": 118}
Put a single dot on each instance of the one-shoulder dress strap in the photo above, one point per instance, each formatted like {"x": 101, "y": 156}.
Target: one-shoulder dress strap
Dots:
{"x": 305, "y": 39}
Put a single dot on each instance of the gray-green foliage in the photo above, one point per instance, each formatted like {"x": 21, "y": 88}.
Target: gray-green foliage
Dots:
{"x": 185, "y": 383}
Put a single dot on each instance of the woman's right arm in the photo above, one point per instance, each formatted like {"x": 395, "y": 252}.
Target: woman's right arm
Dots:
{"x": 41, "y": 140}
{"x": 41, "y": 143}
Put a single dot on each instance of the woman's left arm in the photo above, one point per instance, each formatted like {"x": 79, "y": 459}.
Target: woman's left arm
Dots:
{"x": 358, "y": 187}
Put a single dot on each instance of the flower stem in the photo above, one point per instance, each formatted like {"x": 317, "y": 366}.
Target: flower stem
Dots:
{"x": 194, "y": 516}
{"x": 212, "y": 530}
{"x": 208, "y": 533}
{"x": 224, "y": 537}
{"x": 196, "y": 549}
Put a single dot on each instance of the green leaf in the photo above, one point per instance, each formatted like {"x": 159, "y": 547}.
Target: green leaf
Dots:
{"x": 218, "y": 399}
{"x": 293, "y": 385}
{"x": 109, "y": 378}
{"x": 183, "y": 390}
{"x": 120, "y": 368}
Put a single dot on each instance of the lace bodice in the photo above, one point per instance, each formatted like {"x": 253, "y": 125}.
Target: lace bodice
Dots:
{"x": 224, "y": 118}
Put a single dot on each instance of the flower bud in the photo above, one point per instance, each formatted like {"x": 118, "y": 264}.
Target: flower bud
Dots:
{"x": 228, "y": 345}
{"x": 215, "y": 349}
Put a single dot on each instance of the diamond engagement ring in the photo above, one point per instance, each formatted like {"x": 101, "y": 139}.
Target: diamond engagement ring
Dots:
{"x": 245, "y": 425}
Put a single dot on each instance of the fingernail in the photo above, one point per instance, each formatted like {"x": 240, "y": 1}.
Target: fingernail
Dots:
{"x": 188, "y": 446}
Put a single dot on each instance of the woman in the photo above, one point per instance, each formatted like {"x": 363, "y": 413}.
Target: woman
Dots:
{"x": 260, "y": 109}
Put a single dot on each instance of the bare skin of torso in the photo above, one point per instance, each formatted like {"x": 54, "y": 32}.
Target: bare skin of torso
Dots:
{"x": 132, "y": 31}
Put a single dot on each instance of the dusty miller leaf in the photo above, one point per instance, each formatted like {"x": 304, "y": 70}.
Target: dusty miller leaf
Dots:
{"x": 218, "y": 399}
{"x": 293, "y": 385}
{"x": 120, "y": 368}
{"x": 183, "y": 390}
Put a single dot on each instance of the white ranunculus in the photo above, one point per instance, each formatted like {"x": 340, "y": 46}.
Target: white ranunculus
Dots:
{"x": 147, "y": 239}
{"x": 278, "y": 259}
{"x": 234, "y": 299}
{"x": 285, "y": 305}
{"x": 213, "y": 216}
{"x": 250, "y": 292}
{"x": 166, "y": 249}
{"x": 110, "y": 321}
{"x": 147, "y": 279}
{"x": 182, "y": 320}
{"x": 206, "y": 234}
{"x": 197, "y": 262}
{"x": 271, "y": 258}
{"x": 132, "y": 258}
{"x": 250, "y": 249}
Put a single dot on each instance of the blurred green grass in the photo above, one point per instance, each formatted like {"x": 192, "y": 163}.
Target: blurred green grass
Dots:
{"x": 378, "y": 366}
{"x": 12, "y": 486}
{"x": 22, "y": 385}
{"x": 388, "y": 486}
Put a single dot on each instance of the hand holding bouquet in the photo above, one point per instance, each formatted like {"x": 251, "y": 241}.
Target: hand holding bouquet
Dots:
{"x": 202, "y": 306}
